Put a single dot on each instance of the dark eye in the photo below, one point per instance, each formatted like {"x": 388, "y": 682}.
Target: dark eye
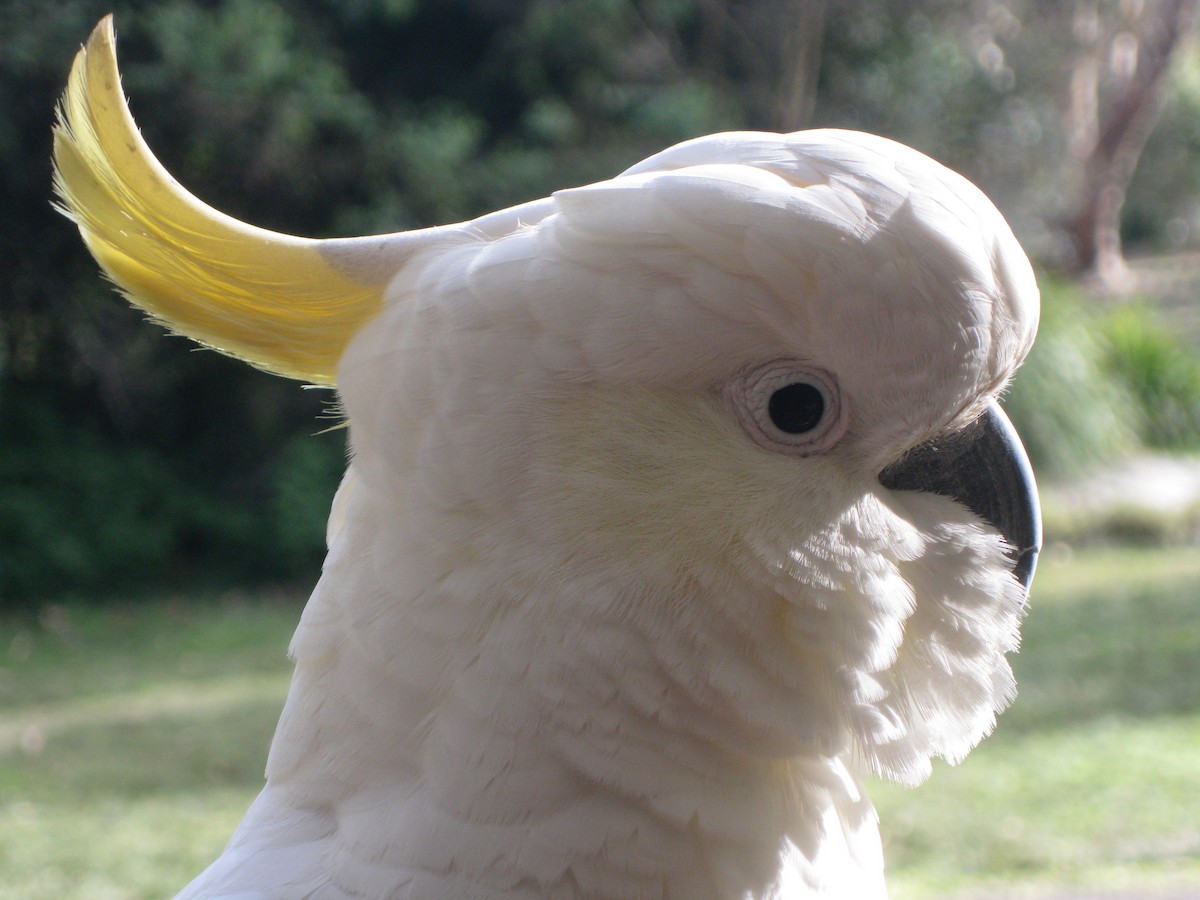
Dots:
{"x": 796, "y": 408}
{"x": 789, "y": 406}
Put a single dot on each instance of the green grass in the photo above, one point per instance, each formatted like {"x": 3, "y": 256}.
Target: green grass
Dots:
{"x": 132, "y": 740}
{"x": 1092, "y": 779}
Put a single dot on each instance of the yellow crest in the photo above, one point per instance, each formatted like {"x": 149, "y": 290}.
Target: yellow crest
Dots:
{"x": 281, "y": 303}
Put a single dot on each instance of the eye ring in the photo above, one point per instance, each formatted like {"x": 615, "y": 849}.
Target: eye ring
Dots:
{"x": 789, "y": 406}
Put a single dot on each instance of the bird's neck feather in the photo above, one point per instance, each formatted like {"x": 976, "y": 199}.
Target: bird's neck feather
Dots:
{"x": 552, "y": 725}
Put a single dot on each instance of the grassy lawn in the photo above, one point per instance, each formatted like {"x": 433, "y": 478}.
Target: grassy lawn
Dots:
{"x": 1092, "y": 779}
{"x": 132, "y": 740}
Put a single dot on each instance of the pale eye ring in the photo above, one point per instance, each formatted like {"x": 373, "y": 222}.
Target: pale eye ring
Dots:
{"x": 789, "y": 406}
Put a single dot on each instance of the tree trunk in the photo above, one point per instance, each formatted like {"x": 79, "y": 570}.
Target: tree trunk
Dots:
{"x": 1107, "y": 145}
{"x": 770, "y": 47}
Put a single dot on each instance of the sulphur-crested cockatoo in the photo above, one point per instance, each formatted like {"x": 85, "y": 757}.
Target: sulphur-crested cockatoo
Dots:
{"x": 677, "y": 502}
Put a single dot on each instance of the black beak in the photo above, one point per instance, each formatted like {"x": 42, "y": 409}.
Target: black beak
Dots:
{"x": 983, "y": 467}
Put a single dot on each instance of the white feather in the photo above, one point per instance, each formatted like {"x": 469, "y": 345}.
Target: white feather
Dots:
{"x": 577, "y": 635}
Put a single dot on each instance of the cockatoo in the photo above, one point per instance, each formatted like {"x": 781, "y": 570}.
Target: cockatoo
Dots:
{"x": 677, "y": 503}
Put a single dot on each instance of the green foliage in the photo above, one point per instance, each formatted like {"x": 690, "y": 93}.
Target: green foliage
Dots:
{"x": 1161, "y": 373}
{"x": 885, "y": 62}
{"x": 1071, "y": 410}
{"x": 300, "y": 497}
{"x": 1099, "y": 385}
{"x": 126, "y": 459}
{"x": 88, "y": 514}
{"x": 81, "y": 512}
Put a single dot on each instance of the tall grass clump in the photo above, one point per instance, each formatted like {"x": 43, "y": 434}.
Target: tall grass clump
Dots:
{"x": 1073, "y": 410}
{"x": 1161, "y": 372}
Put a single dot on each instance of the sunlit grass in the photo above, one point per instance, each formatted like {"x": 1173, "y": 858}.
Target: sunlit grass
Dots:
{"x": 1092, "y": 779}
{"x": 133, "y": 739}
{"x": 1107, "y": 805}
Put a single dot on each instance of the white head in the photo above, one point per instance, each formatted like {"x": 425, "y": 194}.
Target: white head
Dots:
{"x": 591, "y": 376}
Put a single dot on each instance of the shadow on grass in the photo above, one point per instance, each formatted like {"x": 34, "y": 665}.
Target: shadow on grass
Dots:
{"x": 67, "y": 654}
{"x": 129, "y": 808}
{"x": 222, "y": 746}
{"x": 1128, "y": 647}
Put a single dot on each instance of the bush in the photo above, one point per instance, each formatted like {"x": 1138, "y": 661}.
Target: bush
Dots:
{"x": 1161, "y": 373}
{"x": 89, "y": 515}
{"x": 1072, "y": 410}
{"x": 1101, "y": 385}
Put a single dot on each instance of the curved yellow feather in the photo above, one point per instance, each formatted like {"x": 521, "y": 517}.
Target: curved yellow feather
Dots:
{"x": 271, "y": 299}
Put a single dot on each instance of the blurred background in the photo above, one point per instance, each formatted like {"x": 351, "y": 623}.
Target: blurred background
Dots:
{"x": 162, "y": 510}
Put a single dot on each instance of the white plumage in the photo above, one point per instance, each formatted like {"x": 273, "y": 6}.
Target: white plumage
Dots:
{"x": 591, "y": 624}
